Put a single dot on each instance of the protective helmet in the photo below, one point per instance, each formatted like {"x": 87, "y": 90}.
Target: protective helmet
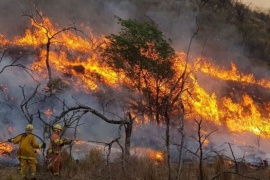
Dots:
{"x": 57, "y": 127}
{"x": 29, "y": 127}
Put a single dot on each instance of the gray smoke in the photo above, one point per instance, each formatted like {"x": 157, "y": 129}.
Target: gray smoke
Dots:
{"x": 176, "y": 18}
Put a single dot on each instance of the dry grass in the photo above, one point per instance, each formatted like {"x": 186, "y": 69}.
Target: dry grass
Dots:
{"x": 94, "y": 167}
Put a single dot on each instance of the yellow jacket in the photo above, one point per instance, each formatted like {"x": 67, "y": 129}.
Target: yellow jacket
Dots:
{"x": 27, "y": 146}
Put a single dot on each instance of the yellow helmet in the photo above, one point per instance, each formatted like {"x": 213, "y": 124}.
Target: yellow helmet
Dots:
{"x": 29, "y": 127}
{"x": 57, "y": 127}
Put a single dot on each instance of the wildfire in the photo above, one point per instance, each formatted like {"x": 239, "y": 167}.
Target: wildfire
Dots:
{"x": 156, "y": 156}
{"x": 77, "y": 59}
{"x": 5, "y": 148}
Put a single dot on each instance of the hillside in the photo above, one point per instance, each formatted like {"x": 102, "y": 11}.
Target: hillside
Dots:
{"x": 183, "y": 82}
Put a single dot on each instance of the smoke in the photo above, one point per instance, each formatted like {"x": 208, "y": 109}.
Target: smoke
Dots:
{"x": 177, "y": 19}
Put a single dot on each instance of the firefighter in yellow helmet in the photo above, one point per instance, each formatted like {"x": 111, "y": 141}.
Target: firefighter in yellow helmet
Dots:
{"x": 54, "y": 150}
{"x": 26, "y": 152}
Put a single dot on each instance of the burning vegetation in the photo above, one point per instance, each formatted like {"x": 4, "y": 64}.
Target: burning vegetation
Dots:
{"x": 5, "y": 149}
{"x": 77, "y": 60}
{"x": 159, "y": 86}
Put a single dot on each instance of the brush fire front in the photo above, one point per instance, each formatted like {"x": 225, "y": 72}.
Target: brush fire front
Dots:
{"x": 5, "y": 149}
{"x": 77, "y": 61}
{"x": 80, "y": 59}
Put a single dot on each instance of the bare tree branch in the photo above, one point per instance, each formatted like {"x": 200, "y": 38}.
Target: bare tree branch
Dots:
{"x": 25, "y": 104}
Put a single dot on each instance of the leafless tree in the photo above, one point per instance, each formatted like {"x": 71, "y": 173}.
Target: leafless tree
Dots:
{"x": 83, "y": 109}
{"x": 71, "y": 116}
{"x": 199, "y": 153}
{"x": 234, "y": 168}
{"x": 15, "y": 63}
{"x": 51, "y": 37}
{"x": 27, "y": 102}
{"x": 174, "y": 100}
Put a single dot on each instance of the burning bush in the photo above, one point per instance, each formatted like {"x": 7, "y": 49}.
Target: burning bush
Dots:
{"x": 5, "y": 149}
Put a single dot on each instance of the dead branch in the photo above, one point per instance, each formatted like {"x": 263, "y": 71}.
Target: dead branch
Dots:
{"x": 236, "y": 172}
{"x": 93, "y": 111}
{"x": 70, "y": 117}
{"x": 50, "y": 36}
{"x": 109, "y": 146}
{"x": 25, "y": 106}
{"x": 3, "y": 55}
{"x": 15, "y": 63}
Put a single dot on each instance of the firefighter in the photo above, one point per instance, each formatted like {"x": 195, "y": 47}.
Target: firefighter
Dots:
{"x": 27, "y": 151}
{"x": 54, "y": 151}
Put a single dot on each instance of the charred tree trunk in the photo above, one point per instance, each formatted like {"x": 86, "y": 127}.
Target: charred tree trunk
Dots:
{"x": 167, "y": 118}
{"x": 41, "y": 25}
{"x": 47, "y": 60}
{"x": 157, "y": 104}
{"x": 200, "y": 152}
{"x": 182, "y": 128}
{"x": 201, "y": 173}
{"x": 128, "y": 132}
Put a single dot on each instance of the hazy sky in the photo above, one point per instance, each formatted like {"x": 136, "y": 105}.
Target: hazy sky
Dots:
{"x": 258, "y": 3}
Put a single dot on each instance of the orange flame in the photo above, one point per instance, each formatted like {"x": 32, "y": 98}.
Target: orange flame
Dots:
{"x": 5, "y": 148}
{"x": 156, "y": 156}
{"x": 77, "y": 58}
{"x": 77, "y": 142}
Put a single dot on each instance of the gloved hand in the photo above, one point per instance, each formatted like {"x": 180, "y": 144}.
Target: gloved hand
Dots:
{"x": 70, "y": 141}
{"x": 67, "y": 141}
{"x": 43, "y": 146}
{"x": 10, "y": 140}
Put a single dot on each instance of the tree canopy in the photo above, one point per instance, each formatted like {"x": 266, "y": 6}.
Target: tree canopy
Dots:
{"x": 140, "y": 46}
{"x": 142, "y": 53}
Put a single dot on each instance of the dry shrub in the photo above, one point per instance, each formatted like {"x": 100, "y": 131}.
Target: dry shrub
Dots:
{"x": 94, "y": 159}
{"x": 143, "y": 168}
{"x": 10, "y": 177}
{"x": 267, "y": 172}
{"x": 93, "y": 163}
{"x": 222, "y": 167}
{"x": 221, "y": 164}
{"x": 204, "y": 171}
{"x": 69, "y": 167}
{"x": 84, "y": 168}
{"x": 94, "y": 167}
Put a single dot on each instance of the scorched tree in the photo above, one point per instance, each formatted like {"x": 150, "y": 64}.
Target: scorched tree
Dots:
{"x": 142, "y": 53}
